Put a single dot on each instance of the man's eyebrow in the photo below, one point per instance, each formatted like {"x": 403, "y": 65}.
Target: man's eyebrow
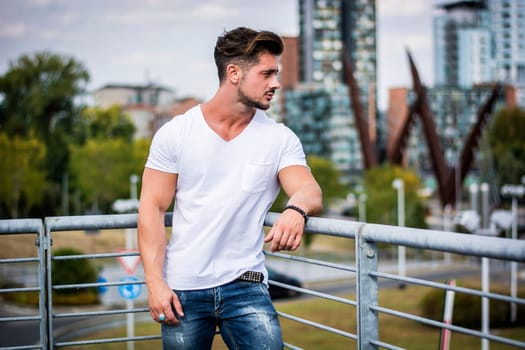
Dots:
{"x": 264, "y": 71}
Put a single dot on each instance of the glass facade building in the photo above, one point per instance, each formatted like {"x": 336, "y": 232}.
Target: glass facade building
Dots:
{"x": 318, "y": 109}
{"x": 480, "y": 41}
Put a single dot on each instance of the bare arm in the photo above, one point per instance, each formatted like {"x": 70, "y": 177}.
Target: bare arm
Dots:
{"x": 158, "y": 189}
{"x": 304, "y": 192}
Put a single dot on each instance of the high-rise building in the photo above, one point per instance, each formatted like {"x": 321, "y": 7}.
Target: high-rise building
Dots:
{"x": 480, "y": 41}
{"x": 326, "y": 28}
{"x": 461, "y": 43}
{"x": 507, "y": 24}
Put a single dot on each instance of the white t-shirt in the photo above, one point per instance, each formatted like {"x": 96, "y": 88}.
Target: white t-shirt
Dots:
{"x": 224, "y": 190}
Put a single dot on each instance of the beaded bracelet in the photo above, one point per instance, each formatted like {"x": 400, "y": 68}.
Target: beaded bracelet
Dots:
{"x": 299, "y": 210}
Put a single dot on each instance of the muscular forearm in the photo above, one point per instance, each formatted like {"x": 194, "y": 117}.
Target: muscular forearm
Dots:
{"x": 152, "y": 244}
{"x": 309, "y": 198}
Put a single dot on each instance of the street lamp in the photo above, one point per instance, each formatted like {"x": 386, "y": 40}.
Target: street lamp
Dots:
{"x": 399, "y": 185}
{"x": 133, "y": 179}
{"x": 362, "y": 207}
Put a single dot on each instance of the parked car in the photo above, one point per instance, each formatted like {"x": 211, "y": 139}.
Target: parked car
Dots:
{"x": 280, "y": 292}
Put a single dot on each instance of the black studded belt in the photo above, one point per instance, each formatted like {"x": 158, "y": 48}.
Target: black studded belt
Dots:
{"x": 251, "y": 276}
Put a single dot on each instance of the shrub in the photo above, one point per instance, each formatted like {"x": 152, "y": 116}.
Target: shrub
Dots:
{"x": 467, "y": 309}
{"x": 75, "y": 271}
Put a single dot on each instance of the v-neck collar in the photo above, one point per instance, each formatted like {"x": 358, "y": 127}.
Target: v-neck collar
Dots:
{"x": 240, "y": 134}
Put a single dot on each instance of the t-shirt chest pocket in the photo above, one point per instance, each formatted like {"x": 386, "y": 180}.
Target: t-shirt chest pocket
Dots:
{"x": 255, "y": 176}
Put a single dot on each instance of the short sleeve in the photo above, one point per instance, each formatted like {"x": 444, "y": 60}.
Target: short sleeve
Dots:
{"x": 163, "y": 153}
{"x": 293, "y": 153}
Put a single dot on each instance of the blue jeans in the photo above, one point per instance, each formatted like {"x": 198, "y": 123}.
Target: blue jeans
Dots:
{"x": 243, "y": 311}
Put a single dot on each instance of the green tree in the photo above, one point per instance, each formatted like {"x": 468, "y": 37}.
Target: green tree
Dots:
{"x": 105, "y": 156}
{"x": 23, "y": 176}
{"x": 101, "y": 123}
{"x": 39, "y": 93}
{"x": 39, "y": 98}
{"x": 328, "y": 178}
{"x": 381, "y": 203}
{"x": 101, "y": 170}
{"x": 507, "y": 144}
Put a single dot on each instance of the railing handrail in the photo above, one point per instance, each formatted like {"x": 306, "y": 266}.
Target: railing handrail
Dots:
{"x": 365, "y": 235}
{"x": 452, "y": 242}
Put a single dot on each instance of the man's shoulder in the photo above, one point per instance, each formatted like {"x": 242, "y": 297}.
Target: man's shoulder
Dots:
{"x": 180, "y": 120}
{"x": 187, "y": 116}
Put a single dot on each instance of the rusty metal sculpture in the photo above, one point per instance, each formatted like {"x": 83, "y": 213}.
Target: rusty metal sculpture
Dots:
{"x": 367, "y": 148}
{"x": 446, "y": 176}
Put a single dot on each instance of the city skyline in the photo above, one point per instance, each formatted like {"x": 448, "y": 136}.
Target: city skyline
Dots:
{"x": 176, "y": 49}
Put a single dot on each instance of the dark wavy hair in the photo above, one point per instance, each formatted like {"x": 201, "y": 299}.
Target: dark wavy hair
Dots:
{"x": 242, "y": 46}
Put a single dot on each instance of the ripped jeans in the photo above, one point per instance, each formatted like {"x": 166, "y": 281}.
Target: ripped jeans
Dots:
{"x": 243, "y": 312}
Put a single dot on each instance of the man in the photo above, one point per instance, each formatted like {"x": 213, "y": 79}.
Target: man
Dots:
{"x": 222, "y": 162}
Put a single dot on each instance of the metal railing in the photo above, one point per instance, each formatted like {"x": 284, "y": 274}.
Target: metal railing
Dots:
{"x": 366, "y": 274}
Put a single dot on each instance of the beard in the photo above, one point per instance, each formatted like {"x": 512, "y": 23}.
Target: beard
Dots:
{"x": 250, "y": 102}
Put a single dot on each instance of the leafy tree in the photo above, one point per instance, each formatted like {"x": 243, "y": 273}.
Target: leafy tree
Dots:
{"x": 23, "y": 177}
{"x": 38, "y": 99}
{"x": 381, "y": 203}
{"x": 101, "y": 123}
{"x": 39, "y": 92}
{"x": 508, "y": 145}
{"x": 326, "y": 175}
{"x": 105, "y": 145}
{"x": 101, "y": 169}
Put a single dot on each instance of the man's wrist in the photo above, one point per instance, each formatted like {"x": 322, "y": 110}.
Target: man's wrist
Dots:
{"x": 299, "y": 210}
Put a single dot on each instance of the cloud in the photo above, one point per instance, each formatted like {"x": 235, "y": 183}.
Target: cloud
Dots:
{"x": 418, "y": 42}
{"x": 199, "y": 12}
{"x": 405, "y": 8}
{"x": 214, "y": 11}
{"x": 39, "y": 3}
{"x": 68, "y": 18}
{"x": 13, "y": 30}
{"x": 145, "y": 58}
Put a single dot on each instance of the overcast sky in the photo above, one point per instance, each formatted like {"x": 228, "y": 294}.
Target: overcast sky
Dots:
{"x": 170, "y": 42}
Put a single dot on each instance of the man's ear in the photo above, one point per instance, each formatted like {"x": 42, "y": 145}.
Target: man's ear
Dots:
{"x": 233, "y": 73}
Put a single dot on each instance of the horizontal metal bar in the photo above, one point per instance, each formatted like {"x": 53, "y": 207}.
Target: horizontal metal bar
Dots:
{"x": 20, "y": 226}
{"x": 102, "y": 313}
{"x": 94, "y": 256}
{"x": 18, "y": 260}
{"x": 312, "y": 261}
{"x": 452, "y": 327}
{"x": 289, "y": 346}
{"x": 314, "y": 293}
{"x": 432, "y": 284}
{"x": 22, "y": 347}
{"x": 329, "y": 227}
{"x": 20, "y": 318}
{"x": 385, "y": 345}
{"x": 91, "y": 222}
{"x": 318, "y": 325}
{"x": 19, "y": 290}
{"x": 106, "y": 340}
{"x": 452, "y": 242}
{"x": 96, "y": 222}
{"x": 96, "y": 284}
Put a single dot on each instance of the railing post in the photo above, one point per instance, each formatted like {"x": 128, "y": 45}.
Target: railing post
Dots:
{"x": 43, "y": 247}
{"x": 367, "y": 319}
{"x": 48, "y": 283}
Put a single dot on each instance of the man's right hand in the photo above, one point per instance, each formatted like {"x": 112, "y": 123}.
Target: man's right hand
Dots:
{"x": 163, "y": 300}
